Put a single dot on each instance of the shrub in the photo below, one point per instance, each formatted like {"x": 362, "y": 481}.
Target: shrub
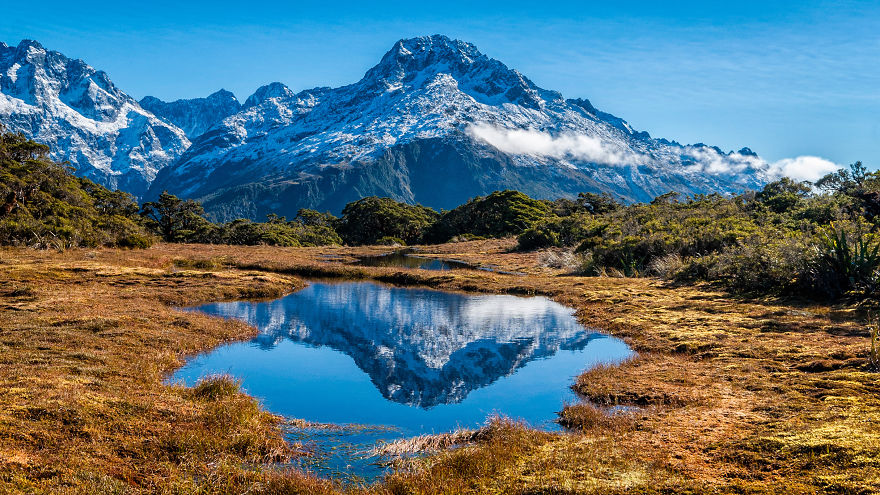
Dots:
{"x": 368, "y": 220}
{"x": 542, "y": 236}
{"x": 43, "y": 205}
{"x": 847, "y": 260}
{"x": 762, "y": 265}
{"x": 666, "y": 267}
{"x": 500, "y": 214}
{"x": 390, "y": 241}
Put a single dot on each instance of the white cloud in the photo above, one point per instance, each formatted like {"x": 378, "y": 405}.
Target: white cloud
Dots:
{"x": 710, "y": 161}
{"x": 808, "y": 168}
{"x": 562, "y": 146}
{"x": 701, "y": 159}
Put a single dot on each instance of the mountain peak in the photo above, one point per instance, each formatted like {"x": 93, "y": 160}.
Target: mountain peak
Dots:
{"x": 436, "y": 43}
{"x": 76, "y": 110}
{"x": 415, "y": 54}
{"x": 222, "y": 94}
{"x": 271, "y": 90}
{"x": 417, "y": 62}
{"x": 25, "y": 44}
{"x": 194, "y": 116}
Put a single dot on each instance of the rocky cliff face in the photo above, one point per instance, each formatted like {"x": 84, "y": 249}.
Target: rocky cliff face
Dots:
{"x": 194, "y": 116}
{"x": 76, "y": 110}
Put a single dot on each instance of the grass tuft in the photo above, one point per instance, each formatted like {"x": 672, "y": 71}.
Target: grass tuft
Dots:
{"x": 874, "y": 332}
{"x": 216, "y": 387}
{"x": 206, "y": 264}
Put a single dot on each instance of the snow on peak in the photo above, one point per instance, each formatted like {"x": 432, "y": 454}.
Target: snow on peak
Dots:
{"x": 263, "y": 93}
{"x": 195, "y": 116}
{"x": 83, "y": 117}
{"x": 413, "y": 61}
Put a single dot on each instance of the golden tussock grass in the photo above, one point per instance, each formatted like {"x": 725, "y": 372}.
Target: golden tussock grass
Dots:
{"x": 726, "y": 395}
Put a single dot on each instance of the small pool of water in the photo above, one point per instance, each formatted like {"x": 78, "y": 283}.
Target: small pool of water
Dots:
{"x": 415, "y": 360}
{"x": 406, "y": 259}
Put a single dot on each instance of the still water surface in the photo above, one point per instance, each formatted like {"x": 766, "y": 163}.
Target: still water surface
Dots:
{"x": 418, "y": 360}
{"x": 405, "y": 259}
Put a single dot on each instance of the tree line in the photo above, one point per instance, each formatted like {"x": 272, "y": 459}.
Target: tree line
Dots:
{"x": 817, "y": 239}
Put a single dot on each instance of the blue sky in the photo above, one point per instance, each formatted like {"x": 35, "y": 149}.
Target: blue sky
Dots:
{"x": 784, "y": 78}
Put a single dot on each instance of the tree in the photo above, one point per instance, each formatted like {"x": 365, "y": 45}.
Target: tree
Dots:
{"x": 783, "y": 195}
{"x": 314, "y": 218}
{"x": 42, "y": 204}
{"x": 369, "y": 219}
{"x": 598, "y": 204}
{"x": 845, "y": 181}
{"x": 500, "y": 214}
{"x": 177, "y": 220}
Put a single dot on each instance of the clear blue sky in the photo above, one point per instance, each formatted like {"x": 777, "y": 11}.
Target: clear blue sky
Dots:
{"x": 785, "y": 78}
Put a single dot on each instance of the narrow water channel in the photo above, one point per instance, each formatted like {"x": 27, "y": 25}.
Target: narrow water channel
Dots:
{"x": 409, "y": 258}
{"x": 406, "y": 259}
{"x": 415, "y": 360}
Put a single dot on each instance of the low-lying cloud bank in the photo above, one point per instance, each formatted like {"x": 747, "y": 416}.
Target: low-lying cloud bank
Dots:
{"x": 564, "y": 146}
{"x": 809, "y": 168}
{"x": 580, "y": 147}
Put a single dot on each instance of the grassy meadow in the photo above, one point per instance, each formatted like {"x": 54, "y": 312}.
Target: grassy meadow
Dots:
{"x": 727, "y": 394}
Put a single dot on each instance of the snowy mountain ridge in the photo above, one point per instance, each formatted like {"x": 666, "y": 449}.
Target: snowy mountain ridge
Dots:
{"x": 194, "y": 116}
{"x": 435, "y": 121}
{"x": 84, "y": 118}
{"x": 320, "y": 147}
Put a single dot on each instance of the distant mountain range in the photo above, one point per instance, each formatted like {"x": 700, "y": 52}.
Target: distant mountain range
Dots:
{"x": 435, "y": 122}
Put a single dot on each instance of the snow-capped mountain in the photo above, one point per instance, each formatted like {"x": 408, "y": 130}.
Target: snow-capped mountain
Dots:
{"x": 194, "y": 116}
{"x": 435, "y": 122}
{"x": 84, "y": 118}
{"x": 263, "y": 93}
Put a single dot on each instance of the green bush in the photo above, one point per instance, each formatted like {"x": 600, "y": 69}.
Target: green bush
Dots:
{"x": 500, "y": 214}
{"x": 390, "y": 241}
{"x": 762, "y": 265}
{"x": 43, "y": 205}
{"x": 368, "y": 220}
{"x": 538, "y": 237}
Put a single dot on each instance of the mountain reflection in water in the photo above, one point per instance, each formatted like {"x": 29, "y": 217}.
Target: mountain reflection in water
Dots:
{"x": 427, "y": 353}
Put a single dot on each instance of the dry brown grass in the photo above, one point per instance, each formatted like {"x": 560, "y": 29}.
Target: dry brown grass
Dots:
{"x": 85, "y": 341}
{"x": 726, "y": 396}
